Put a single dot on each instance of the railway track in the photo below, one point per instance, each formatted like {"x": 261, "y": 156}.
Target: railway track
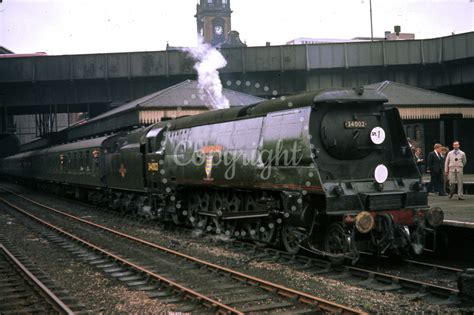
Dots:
{"x": 429, "y": 268}
{"x": 21, "y": 291}
{"x": 168, "y": 274}
{"x": 418, "y": 288}
{"x": 367, "y": 277}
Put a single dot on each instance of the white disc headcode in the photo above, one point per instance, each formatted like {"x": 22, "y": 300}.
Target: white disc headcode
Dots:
{"x": 381, "y": 173}
{"x": 377, "y": 135}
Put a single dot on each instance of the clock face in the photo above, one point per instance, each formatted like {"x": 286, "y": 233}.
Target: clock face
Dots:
{"x": 218, "y": 29}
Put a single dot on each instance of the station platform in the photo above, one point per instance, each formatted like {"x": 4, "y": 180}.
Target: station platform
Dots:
{"x": 459, "y": 213}
{"x": 456, "y": 212}
{"x": 468, "y": 182}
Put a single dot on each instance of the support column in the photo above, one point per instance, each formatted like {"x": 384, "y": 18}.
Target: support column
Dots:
{"x": 68, "y": 115}
{"x": 456, "y": 129}
{"x": 3, "y": 116}
{"x": 441, "y": 132}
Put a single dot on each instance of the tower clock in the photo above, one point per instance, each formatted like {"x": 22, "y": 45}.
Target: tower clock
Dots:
{"x": 214, "y": 20}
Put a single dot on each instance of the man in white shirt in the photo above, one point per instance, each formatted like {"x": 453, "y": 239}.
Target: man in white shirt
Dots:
{"x": 453, "y": 168}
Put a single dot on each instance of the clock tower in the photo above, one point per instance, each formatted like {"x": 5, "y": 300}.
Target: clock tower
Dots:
{"x": 213, "y": 20}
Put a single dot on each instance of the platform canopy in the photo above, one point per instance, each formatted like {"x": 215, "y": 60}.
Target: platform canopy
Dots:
{"x": 183, "y": 99}
{"x": 417, "y": 103}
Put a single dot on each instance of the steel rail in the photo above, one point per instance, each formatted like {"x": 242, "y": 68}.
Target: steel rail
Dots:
{"x": 404, "y": 282}
{"x": 434, "y": 266}
{"x": 421, "y": 263}
{"x": 49, "y": 295}
{"x": 206, "y": 300}
{"x": 267, "y": 285}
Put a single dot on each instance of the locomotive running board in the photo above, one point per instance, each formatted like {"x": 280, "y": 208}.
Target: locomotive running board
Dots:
{"x": 237, "y": 215}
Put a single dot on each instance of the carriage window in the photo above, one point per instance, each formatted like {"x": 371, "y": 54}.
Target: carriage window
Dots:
{"x": 62, "y": 161}
{"x": 87, "y": 158}
{"x": 95, "y": 154}
{"x": 81, "y": 161}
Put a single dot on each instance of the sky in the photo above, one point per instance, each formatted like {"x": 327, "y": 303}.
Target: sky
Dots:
{"x": 99, "y": 26}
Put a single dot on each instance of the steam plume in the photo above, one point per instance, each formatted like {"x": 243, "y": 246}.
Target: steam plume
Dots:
{"x": 208, "y": 60}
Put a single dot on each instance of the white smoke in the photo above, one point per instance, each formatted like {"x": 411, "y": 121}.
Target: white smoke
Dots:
{"x": 208, "y": 60}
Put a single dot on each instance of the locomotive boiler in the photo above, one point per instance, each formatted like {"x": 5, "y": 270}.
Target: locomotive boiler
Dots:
{"x": 330, "y": 171}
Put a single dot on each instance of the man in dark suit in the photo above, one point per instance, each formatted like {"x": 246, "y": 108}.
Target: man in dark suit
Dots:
{"x": 435, "y": 167}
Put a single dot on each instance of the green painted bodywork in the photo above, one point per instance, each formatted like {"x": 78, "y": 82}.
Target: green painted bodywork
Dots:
{"x": 298, "y": 144}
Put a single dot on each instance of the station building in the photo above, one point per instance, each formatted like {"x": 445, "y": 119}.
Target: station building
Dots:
{"x": 430, "y": 117}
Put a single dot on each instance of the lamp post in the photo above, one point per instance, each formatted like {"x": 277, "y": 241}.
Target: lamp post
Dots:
{"x": 371, "y": 27}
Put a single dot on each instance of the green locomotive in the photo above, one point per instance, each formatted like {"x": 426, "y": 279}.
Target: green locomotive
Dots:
{"x": 330, "y": 171}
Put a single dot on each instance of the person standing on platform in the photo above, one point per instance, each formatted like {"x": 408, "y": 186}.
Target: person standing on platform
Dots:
{"x": 434, "y": 166}
{"x": 454, "y": 169}
{"x": 444, "y": 154}
{"x": 419, "y": 160}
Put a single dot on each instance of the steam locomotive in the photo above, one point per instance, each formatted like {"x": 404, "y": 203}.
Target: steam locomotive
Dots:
{"x": 330, "y": 171}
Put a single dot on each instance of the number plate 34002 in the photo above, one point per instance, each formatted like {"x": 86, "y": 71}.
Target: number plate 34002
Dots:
{"x": 355, "y": 124}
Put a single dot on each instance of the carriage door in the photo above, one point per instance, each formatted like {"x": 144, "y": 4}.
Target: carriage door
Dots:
{"x": 154, "y": 157}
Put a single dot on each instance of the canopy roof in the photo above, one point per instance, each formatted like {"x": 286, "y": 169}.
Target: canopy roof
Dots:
{"x": 418, "y": 103}
{"x": 185, "y": 98}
